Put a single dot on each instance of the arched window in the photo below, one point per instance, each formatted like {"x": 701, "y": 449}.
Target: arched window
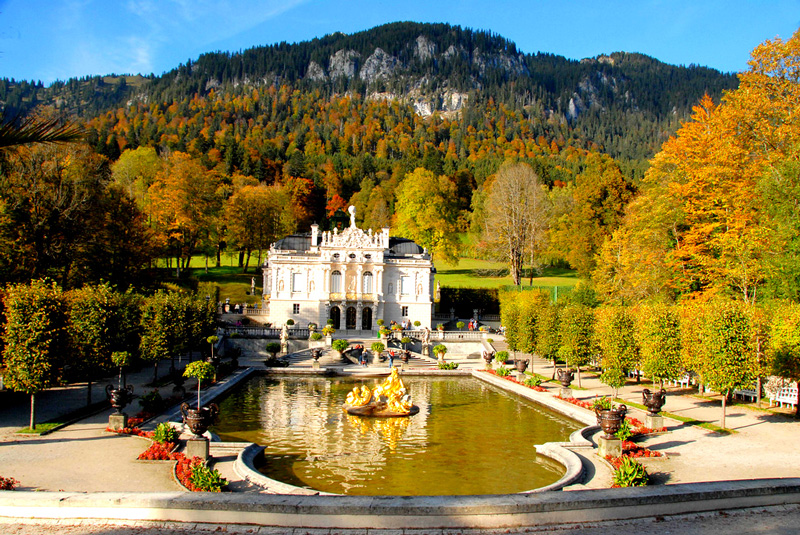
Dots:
{"x": 367, "y": 286}
{"x": 336, "y": 282}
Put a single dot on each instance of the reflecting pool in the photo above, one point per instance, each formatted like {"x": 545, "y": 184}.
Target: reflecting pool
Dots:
{"x": 468, "y": 438}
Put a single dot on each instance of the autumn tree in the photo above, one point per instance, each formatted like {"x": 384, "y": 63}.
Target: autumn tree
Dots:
{"x": 186, "y": 204}
{"x": 34, "y": 337}
{"x": 576, "y": 336}
{"x": 135, "y": 171}
{"x": 257, "y": 216}
{"x": 615, "y": 337}
{"x": 426, "y": 212}
{"x": 599, "y": 199}
{"x": 516, "y": 216}
{"x": 784, "y": 344}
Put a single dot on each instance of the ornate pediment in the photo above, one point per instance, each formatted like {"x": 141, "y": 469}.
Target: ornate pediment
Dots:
{"x": 354, "y": 238}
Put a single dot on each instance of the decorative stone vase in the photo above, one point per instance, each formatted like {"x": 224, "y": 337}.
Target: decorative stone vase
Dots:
{"x": 119, "y": 397}
{"x": 199, "y": 420}
{"x": 610, "y": 420}
{"x": 654, "y": 400}
{"x": 315, "y": 353}
{"x": 565, "y": 377}
{"x": 521, "y": 365}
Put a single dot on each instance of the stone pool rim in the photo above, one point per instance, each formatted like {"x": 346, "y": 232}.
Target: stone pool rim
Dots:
{"x": 245, "y": 465}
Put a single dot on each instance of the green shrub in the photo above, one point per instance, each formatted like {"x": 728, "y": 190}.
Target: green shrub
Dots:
{"x": 439, "y": 348}
{"x": 164, "y": 433}
{"x": 405, "y": 340}
{"x": 273, "y": 348}
{"x": 290, "y": 322}
{"x": 121, "y": 358}
{"x": 460, "y": 325}
{"x": 330, "y": 322}
{"x": 339, "y": 345}
{"x": 630, "y": 474}
{"x": 440, "y": 326}
{"x": 417, "y": 323}
{"x": 501, "y": 357}
{"x": 377, "y": 347}
{"x": 603, "y": 403}
{"x": 380, "y": 322}
{"x": 448, "y": 365}
{"x": 533, "y": 381}
{"x": 152, "y": 402}
{"x": 316, "y": 336}
{"x": 207, "y": 479}
{"x": 624, "y": 432}
{"x": 503, "y": 372}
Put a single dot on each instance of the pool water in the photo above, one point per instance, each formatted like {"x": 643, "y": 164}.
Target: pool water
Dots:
{"x": 468, "y": 438}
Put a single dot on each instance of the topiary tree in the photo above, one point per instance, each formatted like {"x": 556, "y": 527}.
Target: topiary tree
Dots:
{"x": 440, "y": 350}
{"x": 460, "y": 325}
{"x": 548, "y": 332}
{"x": 729, "y": 359}
{"x": 340, "y": 345}
{"x": 577, "y": 336}
{"x": 201, "y": 371}
{"x": 273, "y": 348}
{"x": 784, "y": 344}
{"x": 659, "y": 338}
{"x": 35, "y": 333}
{"x": 615, "y": 337}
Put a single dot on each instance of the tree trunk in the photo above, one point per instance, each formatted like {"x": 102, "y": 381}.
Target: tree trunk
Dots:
{"x": 246, "y": 262}
{"x": 32, "y": 424}
{"x": 88, "y": 392}
{"x": 579, "y": 376}
{"x": 155, "y": 373}
{"x": 758, "y": 392}
{"x": 219, "y": 255}
{"x": 241, "y": 258}
{"x": 724, "y": 397}
{"x": 555, "y": 365}
{"x": 206, "y": 263}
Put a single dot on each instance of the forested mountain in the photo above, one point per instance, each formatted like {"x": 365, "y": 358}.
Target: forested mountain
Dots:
{"x": 622, "y": 104}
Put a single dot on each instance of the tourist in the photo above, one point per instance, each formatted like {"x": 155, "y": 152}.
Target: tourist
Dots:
{"x": 391, "y": 359}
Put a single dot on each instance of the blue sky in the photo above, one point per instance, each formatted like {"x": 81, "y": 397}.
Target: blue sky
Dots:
{"x": 58, "y": 39}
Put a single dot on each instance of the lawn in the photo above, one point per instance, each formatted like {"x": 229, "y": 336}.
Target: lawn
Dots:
{"x": 476, "y": 273}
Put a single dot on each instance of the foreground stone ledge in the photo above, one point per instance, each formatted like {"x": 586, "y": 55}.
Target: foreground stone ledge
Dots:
{"x": 399, "y": 512}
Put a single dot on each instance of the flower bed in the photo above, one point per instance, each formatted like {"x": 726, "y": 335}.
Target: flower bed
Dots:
{"x": 8, "y": 483}
{"x": 158, "y": 451}
{"x": 638, "y": 428}
{"x": 580, "y": 403}
{"x": 514, "y": 380}
{"x": 131, "y": 430}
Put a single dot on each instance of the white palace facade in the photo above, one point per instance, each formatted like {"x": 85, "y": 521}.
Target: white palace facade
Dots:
{"x": 353, "y": 277}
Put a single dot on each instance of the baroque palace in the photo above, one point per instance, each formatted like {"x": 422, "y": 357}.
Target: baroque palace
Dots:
{"x": 352, "y": 276}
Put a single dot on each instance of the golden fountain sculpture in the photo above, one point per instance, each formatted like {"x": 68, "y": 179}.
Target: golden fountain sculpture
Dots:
{"x": 388, "y": 399}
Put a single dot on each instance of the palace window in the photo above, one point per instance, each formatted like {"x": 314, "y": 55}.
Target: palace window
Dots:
{"x": 367, "y": 286}
{"x": 296, "y": 308}
{"x": 405, "y": 285}
{"x": 404, "y": 311}
{"x": 336, "y": 282}
{"x": 297, "y": 282}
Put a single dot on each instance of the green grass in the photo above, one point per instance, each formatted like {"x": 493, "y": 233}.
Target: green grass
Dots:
{"x": 477, "y": 273}
{"x": 689, "y": 421}
{"x": 40, "y": 428}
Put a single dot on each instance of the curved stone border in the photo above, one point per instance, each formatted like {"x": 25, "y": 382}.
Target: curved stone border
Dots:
{"x": 400, "y": 512}
{"x": 245, "y": 468}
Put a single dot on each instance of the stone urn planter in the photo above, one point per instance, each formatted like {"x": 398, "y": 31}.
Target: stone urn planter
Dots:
{"x": 654, "y": 400}
{"x": 610, "y": 420}
{"x": 315, "y": 354}
{"x": 199, "y": 420}
{"x": 405, "y": 356}
{"x": 521, "y": 365}
{"x": 119, "y": 397}
{"x": 565, "y": 377}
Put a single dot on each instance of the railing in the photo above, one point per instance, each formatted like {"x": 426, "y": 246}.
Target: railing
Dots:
{"x": 249, "y": 331}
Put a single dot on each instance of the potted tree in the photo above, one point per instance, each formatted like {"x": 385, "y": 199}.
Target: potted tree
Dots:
{"x": 439, "y": 350}
{"x": 121, "y": 396}
{"x": 340, "y": 346}
{"x": 212, "y": 340}
{"x": 377, "y": 349}
{"x": 200, "y": 419}
{"x": 460, "y": 325}
{"x": 405, "y": 341}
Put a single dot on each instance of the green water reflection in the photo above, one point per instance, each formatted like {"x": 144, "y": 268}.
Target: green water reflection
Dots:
{"x": 468, "y": 438}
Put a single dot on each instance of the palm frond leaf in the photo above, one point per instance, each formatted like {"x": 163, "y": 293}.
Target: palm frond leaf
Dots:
{"x": 23, "y": 131}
